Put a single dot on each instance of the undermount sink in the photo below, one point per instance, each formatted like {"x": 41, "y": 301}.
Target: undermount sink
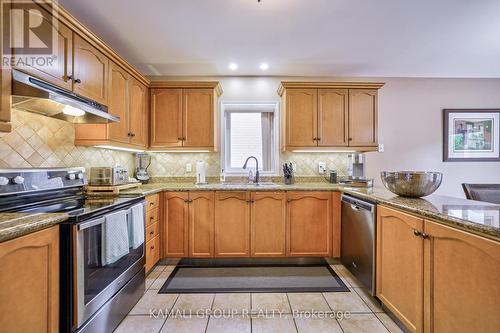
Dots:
{"x": 261, "y": 184}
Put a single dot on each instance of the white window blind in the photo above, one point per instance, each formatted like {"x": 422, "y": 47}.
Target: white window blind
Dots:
{"x": 250, "y": 131}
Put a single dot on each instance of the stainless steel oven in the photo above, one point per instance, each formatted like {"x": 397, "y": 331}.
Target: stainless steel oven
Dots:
{"x": 104, "y": 275}
{"x": 96, "y": 280}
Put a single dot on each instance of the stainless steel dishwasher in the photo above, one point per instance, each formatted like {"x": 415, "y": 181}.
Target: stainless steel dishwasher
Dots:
{"x": 358, "y": 229}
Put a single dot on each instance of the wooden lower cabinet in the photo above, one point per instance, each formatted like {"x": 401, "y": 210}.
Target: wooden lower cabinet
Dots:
{"x": 152, "y": 252}
{"x": 462, "y": 281}
{"x": 201, "y": 224}
{"x": 232, "y": 224}
{"x": 29, "y": 283}
{"x": 175, "y": 224}
{"x": 268, "y": 224}
{"x": 436, "y": 278}
{"x": 399, "y": 271}
{"x": 309, "y": 229}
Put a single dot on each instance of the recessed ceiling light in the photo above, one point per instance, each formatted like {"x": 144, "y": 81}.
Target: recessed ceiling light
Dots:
{"x": 264, "y": 66}
{"x": 233, "y": 66}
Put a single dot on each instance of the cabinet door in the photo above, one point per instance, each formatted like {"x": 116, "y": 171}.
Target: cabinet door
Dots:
{"x": 301, "y": 117}
{"x": 232, "y": 224}
{"x": 201, "y": 224}
{"x": 166, "y": 118}
{"x": 268, "y": 224}
{"x": 198, "y": 121}
{"x": 362, "y": 117}
{"x": 399, "y": 281}
{"x": 58, "y": 66}
{"x": 152, "y": 252}
{"x": 90, "y": 71}
{"x": 175, "y": 224}
{"x": 29, "y": 283}
{"x": 5, "y": 83}
{"x": 462, "y": 290}
{"x": 137, "y": 102}
{"x": 332, "y": 117}
{"x": 309, "y": 227}
{"x": 118, "y": 103}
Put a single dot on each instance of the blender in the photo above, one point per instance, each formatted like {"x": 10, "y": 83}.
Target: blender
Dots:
{"x": 142, "y": 162}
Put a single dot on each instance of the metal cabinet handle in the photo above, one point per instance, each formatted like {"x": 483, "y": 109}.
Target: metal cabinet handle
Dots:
{"x": 152, "y": 247}
{"x": 425, "y": 236}
{"x": 417, "y": 233}
{"x": 151, "y": 232}
{"x": 78, "y": 81}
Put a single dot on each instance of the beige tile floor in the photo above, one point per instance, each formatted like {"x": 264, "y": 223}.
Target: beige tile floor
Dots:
{"x": 337, "y": 312}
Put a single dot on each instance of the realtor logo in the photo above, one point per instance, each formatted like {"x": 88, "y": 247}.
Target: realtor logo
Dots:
{"x": 28, "y": 34}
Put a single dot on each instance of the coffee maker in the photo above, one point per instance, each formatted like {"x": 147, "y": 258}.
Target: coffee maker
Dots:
{"x": 142, "y": 162}
{"x": 356, "y": 166}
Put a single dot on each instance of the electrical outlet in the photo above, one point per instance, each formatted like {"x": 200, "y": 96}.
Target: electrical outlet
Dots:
{"x": 189, "y": 167}
{"x": 381, "y": 148}
{"x": 322, "y": 168}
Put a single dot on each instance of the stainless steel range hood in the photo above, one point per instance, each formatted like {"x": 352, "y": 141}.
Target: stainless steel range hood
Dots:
{"x": 34, "y": 95}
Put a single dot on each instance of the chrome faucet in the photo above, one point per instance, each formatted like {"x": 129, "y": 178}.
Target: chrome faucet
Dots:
{"x": 256, "y": 179}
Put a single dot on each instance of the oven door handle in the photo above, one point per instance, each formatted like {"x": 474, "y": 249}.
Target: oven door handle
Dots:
{"x": 93, "y": 223}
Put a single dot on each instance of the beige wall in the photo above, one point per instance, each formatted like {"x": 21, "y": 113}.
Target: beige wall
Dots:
{"x": 410, "y": 124}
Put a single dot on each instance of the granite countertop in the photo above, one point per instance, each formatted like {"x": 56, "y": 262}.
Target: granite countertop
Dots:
{"x": 477, "y": 217}
{"x": 13, "y": 225}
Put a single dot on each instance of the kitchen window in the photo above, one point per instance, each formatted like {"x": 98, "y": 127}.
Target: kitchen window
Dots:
{"x": 249, "y": 129}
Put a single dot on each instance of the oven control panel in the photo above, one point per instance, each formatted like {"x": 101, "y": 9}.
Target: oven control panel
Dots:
{"x": 27, "y": 180}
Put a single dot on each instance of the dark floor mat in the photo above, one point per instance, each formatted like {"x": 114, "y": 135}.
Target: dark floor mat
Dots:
{"x": 252, "y": 278}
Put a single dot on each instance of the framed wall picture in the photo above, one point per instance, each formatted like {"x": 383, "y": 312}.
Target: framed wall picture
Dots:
{"x": 471, "y": 135}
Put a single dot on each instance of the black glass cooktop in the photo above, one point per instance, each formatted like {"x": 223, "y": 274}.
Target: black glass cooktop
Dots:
{"x": 80, "y": 207}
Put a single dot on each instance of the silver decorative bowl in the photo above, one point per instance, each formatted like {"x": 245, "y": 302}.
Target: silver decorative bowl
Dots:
{"x": 413, "y": 184}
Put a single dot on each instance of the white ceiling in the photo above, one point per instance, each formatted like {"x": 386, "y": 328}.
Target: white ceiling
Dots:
{"x": 400, "y": 38}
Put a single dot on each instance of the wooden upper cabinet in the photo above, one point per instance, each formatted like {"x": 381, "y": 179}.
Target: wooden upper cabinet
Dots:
{"x": 363, "y": 117}
{"x": 301, "y": 117}
{"x": 119, "y": 103}
{"x": 309, "y": 229}
{"x": 322, "y": 115}
{"x": 232, "y": 224}
{"x": 268, "y": 224}
{"x": 58, "y": 68}
{"x": 462, "y": 274}
{"x": 138, "y": 117}
{"x": 166, "y": 118}
{"x": 333, "y": 117}
{"x": 29, "y": 283}
{"x": 174, "y": 232}
{"x": 90, "y": 71}
{"x": 201, "y": 224}
{"x": 198, "y": 117}
{"x": 184, "y": 115}
{"x": 399, "y": 277}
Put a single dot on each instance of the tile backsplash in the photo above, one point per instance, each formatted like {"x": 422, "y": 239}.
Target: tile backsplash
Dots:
{"x": 174, "y": 164}
{"x": 38, "y": 141}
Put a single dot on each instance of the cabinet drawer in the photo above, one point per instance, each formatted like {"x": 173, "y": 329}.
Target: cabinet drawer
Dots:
{"x": 152, "y": 201}
{"x": 152, "y": 252}
{"x": 152, "y": 231}
{"x": 152, "y": 216}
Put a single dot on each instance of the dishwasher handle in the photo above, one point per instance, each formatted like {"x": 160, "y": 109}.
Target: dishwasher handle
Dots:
{"x": 358, "y": 204}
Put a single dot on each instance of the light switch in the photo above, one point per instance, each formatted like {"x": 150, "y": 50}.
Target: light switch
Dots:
{"x": 381, "y": 148}
{"x": 189, "y": 167}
